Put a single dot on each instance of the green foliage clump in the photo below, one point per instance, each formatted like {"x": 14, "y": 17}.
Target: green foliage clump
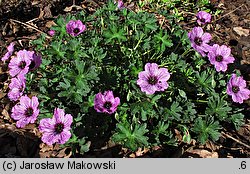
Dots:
{"x": 108, "y": 56}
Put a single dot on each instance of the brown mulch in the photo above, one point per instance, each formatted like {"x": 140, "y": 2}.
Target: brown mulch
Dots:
{"x": 231, "y": 28}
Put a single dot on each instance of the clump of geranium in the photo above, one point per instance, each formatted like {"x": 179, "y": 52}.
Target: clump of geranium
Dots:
{"x": 99, "y": 72}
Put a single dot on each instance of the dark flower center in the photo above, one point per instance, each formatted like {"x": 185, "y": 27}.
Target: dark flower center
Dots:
{"x": 197, "y": 41}
{"x": 76, "y": 30}
{"x": 107, "y": 105}
{"x": 59, "y": 128}
{"x": 32, "y": 65}
{"x": 29, "y": 112}
{"x": 152, "y": 80}
{"x": 219, "y": 58}
{"x": 235, "y": 89}
{"x": 22, "y": 64}
{"x": 202, "y": 20}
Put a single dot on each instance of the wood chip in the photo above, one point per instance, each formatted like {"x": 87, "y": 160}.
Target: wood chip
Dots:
{"x": 241, "y": 31}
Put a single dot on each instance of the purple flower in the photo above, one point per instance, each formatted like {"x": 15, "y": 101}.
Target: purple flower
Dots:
{"x": 51, "y": 32}
{"x": 26, "y": 112}
{"x": 20, "y": 63}
{"x": 36, "y": 61}
{"x": 75, "y": 27}
{"x": 153, "y": 78}
{"x": 203, "y": 17}
{"x": 120, "y": 4}
{"x": 199, "y": 40}
{"x": 106, "y": 103}
{"x": 236, "y": 87}
{"x": 219, "y": 56}
{"x": 57, "y": 128}
{"x": 10, "y": 51}
{"x": 16, "y": 86}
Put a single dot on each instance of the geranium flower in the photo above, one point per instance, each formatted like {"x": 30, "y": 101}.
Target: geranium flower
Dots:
{"x": 236, "y": 87}
{"x": 199, "y": 40}
{"x": 120, "y": 4}
{"x": 26, "y": 112}
{"x": 153, "y": 78}
{"x": 203, "y": 17}
{"x": 51, "y": 32}
{"x": 57, "y": 128}
{"x": 219, "y": 56}
{"x": 10, "y": 51}
{"x": 106, "y": 103}
{"x": 16, "y": 86}
{"x": 19, "y": 65}
{"x": 36, "y": 61}
{"x": 75, "y": 27}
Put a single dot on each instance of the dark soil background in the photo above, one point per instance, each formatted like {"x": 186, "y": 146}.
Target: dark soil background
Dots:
{"x": 24, "y": 20}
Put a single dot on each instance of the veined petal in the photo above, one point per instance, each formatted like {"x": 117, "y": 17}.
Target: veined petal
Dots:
{"x": 64, "y": 137}
{"x": 59, "y": 115}
{"x": 109, "y": 96}
{"x": 68, "y": 121}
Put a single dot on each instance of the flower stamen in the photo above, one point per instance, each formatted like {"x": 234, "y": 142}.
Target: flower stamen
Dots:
{"x": 22, "y": 65}
{"x": 198, "y": 41}
{"x": 29, "y": 112}
{"x": 59, "y": 128}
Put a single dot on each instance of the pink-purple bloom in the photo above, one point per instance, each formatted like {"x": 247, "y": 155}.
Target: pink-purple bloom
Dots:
{"x": 75, "y": 27}
{"x": 120, "y": 4}
{"x": 236, "y": 87}
{"x": 219, "y": 56}
{"x": 57, "y": 128}
{"x": 36, "y": 61}
{"x": 51, "y": 32}
{"x": 203, "y": 17}
{"x": 10, "y": 50}
{"x": 19, "y": 65}
{"x": 153, "y": 78}
{"x": 199, "y": 40}
{"x": 16, "y": 87}
{"x": 106, "y": 103}
{"x": 26, "y": 111}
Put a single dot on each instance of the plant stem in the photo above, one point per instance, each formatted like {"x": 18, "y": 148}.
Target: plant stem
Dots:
{"x": 185, "y": 53}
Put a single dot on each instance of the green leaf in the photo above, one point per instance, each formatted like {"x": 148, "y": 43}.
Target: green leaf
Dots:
{"x": 115, "y": 34}
{"x": 206, "y": 129}
{"x": 144, "y": 109}
{"x": 182, "y": 94}
{"x": 162, "y": 41}
{"x": 132, "y": 138}
{"x": 218, "y": 107}
{"x": 237, "y": 120}
{"x": 174, "y": 112}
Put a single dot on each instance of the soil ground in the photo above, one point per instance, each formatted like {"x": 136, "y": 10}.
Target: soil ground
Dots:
{"x": 24, "y": 20}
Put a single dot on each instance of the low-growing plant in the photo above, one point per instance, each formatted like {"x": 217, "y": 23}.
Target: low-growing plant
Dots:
{"x": 124, "y": 77}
